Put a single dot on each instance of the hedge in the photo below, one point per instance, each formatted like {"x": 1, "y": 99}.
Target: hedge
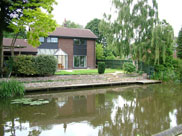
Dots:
{"x": 46, "y": 65}
{"x": 41, "y": 65}
{"x": 24, "y": 65}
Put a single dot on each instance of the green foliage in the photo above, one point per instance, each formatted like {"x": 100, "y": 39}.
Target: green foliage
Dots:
{"x": 101, "y": 67}
{"x": 70, "y": 24}
{"x": 24, "y": 65}
{"x": 11, "y": 88}
{"x": 99, "y": 52}
{"x": 17, "y": 16}
{"x": 46, "y": 65}
{"x": 179, "y": 42}
{"x": 170, "y": 71}
{"x": 129, "y": 67}
{"x": 22, "y": 34}
{"x": 93, "y": 25}
{"x": 41, "y": 65}
{"x": 161, "y": 44}
{"x": 109, "y": 55}
{"x": 131, "y": 31}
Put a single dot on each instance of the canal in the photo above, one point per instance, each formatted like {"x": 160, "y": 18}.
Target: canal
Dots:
{"x": 112, "y": 111}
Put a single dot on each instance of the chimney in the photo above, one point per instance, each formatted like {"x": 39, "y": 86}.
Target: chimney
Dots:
{"x": 65, "y": 25}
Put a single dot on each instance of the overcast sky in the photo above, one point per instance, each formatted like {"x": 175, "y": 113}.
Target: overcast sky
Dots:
{"x": 82, "y": 11}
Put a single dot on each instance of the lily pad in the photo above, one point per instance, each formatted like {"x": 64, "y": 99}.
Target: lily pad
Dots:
{"x": 29, "y": 101}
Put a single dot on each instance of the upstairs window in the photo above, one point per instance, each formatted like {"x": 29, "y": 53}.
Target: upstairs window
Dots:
{"x": 41, "y": 39}
{"x": 52, "y": 40}
{"x": 79, "y": 42}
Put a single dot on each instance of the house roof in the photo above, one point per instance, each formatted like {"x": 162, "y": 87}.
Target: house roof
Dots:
{"x": 73, "y": 33}
{"x": 20, "y": 45}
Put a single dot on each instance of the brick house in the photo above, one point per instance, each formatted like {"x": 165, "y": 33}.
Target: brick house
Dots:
{"x": 73, "y": 47}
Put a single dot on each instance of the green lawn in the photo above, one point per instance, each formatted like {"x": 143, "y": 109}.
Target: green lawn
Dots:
{"x": 85, "y": 71}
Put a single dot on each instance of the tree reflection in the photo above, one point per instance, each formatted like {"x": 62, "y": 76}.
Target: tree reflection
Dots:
{"x": 141, "y": 111}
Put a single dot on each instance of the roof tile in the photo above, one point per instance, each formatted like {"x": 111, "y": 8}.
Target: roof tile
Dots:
{"x": 73, "y": 33}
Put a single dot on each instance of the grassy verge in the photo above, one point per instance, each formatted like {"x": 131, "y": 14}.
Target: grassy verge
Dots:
{"x": 86, "y": 72}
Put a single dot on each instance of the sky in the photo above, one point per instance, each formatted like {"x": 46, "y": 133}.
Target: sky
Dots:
{"x": 83, "y": 11}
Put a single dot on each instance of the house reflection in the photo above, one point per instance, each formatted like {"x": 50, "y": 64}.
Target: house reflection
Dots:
{"x": 68, "y": 109}
{"x": 76, "y": 106}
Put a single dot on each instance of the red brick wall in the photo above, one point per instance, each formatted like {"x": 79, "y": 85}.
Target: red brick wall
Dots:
{"x": 67, "y": 46}
{"x": 91, "y": 56}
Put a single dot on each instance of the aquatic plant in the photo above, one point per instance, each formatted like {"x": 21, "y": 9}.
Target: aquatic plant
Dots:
{"x": 29, "y": 101}
{"x": 11, "y": 88}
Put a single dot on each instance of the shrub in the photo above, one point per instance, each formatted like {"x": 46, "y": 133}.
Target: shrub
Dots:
{"x": 11, "y": 88}
{"x": 129, "y": 67}
{"x": 34, "y": 65}
{"x": 46, "y": 64}
{"x": 101, "y": 67}
{"x": 24, "y": 65}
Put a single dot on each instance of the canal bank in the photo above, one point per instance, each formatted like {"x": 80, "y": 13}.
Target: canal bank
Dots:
{"x": 62, "y": 82}
{"x": 92, "y": 85}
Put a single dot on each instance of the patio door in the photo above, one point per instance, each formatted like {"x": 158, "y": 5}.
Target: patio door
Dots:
{"x": 80, "y": 62}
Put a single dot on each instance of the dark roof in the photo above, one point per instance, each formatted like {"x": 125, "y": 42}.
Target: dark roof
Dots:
{"x": 19, "y": 42}
{"x": 73, "y": 33}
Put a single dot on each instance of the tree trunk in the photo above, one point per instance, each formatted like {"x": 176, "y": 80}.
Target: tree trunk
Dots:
{"x": 13, "y": 44}
{"x": 1, "y": 52}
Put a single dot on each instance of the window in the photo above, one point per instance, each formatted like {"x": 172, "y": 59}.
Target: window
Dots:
{"x": 80, "y": 61}
{"x": 79, "y": 42}
{"x": 41, "y": 39}
{"x": 76, "y": 42}
{"x": 52, "y": 40}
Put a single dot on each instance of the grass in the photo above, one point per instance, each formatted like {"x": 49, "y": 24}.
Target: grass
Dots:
{"x": 86, "y": 72}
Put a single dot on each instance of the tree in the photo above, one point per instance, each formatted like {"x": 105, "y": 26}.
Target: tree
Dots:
{"x": 162, "y": 44}
{"x": 15, "y": 15}
{"x": 93, "y": 25}
{"x": 130, "y": 32}
{"x": 22, "y": 34}
{"x": 108, "y": 54}
{"x": 99, "y": 52}
{"x": 70, "y": 24}
{"x": 179, "y": 42}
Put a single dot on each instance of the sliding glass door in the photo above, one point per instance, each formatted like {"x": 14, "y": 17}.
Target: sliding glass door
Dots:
{"x": 80, "y": 62}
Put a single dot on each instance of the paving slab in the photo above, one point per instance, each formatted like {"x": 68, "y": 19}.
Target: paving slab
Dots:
{"x": 175, "y": 131}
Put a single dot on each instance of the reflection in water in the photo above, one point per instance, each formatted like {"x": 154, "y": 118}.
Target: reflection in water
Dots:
{"x": 127, "y": 111}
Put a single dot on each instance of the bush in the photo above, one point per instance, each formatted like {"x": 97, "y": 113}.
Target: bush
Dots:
{"x": 129, "y": 67}
{"x": 11, "y": 88}
{"x": 101, "y": 67}
{"x": 170, "y": 71}
{"x": 24, "y": 65}
{"x": 46, "y": 64}
{"x": 34, "y": 65}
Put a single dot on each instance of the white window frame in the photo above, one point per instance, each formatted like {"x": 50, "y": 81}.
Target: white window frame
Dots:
{"x": 52, "y": 40}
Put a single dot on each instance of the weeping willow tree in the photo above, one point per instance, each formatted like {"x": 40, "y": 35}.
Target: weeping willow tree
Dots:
{"x": 162, "y": 43}
{"x": 131, "y": 30}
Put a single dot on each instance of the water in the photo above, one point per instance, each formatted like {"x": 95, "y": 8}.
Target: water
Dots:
{"x": 126, "y": 111}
